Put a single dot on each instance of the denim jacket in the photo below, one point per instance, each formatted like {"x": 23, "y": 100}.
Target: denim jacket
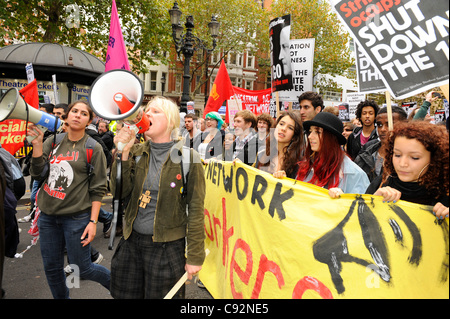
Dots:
{"x": 352, "y": 179}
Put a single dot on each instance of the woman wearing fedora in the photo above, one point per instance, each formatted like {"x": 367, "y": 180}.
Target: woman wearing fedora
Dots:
{"x": 325, "y": 163}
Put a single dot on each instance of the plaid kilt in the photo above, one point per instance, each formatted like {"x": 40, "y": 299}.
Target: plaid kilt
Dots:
{"x": 141, "y": 268}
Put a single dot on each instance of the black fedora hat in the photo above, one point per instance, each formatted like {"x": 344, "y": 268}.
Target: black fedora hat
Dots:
{"x": 328, "y": 122}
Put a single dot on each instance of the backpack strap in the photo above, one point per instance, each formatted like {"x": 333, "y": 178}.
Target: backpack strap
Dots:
{"x": 89, "y": 145}
{"x": 57, "y": 140}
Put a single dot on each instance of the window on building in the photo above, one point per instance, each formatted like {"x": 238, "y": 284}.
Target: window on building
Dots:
{"x": 250, "y": 61}
{"x": 233, "y": 58}
{"x": 178, "y": 83}
{"x": 249, "y": 84}
{"x": 268, "y": 82}
{"x": 153, "y": 80}
{"x": 164, "y": 79}
{"x": 197, "y": 81}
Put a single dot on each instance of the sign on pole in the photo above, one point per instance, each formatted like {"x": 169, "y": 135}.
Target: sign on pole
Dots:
{"x": 406, "y": 40}
{"x": 280, "y": 54}
{"x": 369, "y": 79}
{"x": 353, "y": 99}
{"x": 302, "y": 60}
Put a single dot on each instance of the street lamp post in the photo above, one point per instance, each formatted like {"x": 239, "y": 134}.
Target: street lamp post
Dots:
{"x": 187, "y": 43}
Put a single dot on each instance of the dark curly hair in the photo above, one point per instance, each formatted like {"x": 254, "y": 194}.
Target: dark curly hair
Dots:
{"x": 435, "y": 139}
{"x": 365, "y": 103}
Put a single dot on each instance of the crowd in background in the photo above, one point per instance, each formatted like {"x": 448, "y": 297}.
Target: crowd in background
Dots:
{"x": 408, "y": 161}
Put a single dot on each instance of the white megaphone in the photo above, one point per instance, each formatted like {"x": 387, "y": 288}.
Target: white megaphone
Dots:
{"x": 117, "y": 95}
{"x": 12, "y": 106}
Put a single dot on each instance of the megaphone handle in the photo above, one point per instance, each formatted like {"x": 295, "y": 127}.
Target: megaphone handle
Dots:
{"x": 120, "y": 146}
{"x": 117, "y": 200}
{"x": 31, "y": 138}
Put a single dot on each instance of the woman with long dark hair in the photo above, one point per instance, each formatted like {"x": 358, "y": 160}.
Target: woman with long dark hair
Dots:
{"x": 325, "y": 164}
{"x": 284, "y": 147}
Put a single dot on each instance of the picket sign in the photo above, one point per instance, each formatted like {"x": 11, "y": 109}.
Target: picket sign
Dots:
{"x": 389, "y": 111}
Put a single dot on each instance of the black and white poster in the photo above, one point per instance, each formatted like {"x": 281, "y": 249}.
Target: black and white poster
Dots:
{"x": 369, "y": 79}
{"x": 406, "y": 40}
{"x": 280, "y": 53}
{"x": 302, "y": 61}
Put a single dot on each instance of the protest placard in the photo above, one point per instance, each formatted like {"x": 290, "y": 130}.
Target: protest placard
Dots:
{"x": 279, "y": 35}
{"x": 302, "y": 60}
{"x": 406, "y": 40}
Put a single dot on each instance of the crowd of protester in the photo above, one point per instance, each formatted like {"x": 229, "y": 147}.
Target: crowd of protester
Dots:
{"x": 408, "y": 161}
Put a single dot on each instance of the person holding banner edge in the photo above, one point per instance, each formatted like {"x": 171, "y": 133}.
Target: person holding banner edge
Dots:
{"x": 416, "y": 167}
{"x": 325, "y": 164}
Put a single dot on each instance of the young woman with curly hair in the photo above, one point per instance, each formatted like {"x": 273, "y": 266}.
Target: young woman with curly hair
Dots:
{"x": 416, "y": 166}
{"x": 284, "y": 147}
{"x": 325, "y": 163}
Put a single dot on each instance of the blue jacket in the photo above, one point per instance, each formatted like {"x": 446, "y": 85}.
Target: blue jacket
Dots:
{"x": 354, "y": 179}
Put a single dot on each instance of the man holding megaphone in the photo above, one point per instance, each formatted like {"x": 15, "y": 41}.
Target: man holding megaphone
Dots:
{"x": 69, "y": 199}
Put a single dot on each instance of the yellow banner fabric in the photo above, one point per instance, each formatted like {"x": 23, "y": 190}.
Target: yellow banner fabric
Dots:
{"x": 272, "y": 238}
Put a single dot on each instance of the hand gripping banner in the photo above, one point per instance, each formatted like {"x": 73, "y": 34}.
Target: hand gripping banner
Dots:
{"x": 280, "y": 238}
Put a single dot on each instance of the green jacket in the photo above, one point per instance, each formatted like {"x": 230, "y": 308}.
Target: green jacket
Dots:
{"x": 172, "y": 221}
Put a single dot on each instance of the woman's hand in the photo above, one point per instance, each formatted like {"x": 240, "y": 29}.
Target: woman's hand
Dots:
{"x": 429, "y": 97}
{"x": 440, "y": 211}
{"x": 192, "y": 270}
{"x": 236, "y": 160}
{"x": 279, "y": 174}
{"x": 124, "y": 141}
{"x": 389, "y": 194}
{"x": 335, "y": 192}
{"x": 88, "y": 234}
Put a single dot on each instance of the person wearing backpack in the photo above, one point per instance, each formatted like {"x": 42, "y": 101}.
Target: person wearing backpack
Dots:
{"x": 69, "y": 199}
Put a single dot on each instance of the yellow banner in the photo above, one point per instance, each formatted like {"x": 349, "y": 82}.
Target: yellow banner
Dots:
{"x": 271, "y": 238}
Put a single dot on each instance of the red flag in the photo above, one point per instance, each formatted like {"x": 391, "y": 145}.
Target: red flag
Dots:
{"x": 30, "y": 94}
{"x": 221, "y": 91}
{"x": 14, "y": 129}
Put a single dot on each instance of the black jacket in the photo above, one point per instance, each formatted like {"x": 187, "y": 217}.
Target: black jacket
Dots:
{"x": 365, "y": 159}
{"x": 354, "y": 141}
